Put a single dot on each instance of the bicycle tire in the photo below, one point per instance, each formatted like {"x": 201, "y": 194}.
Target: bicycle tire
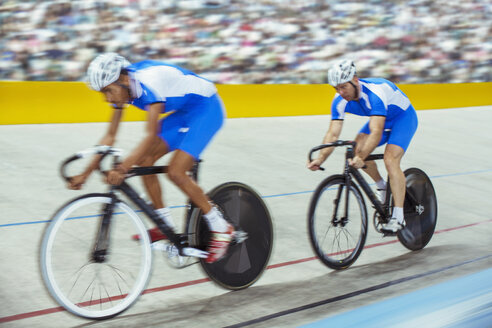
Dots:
{"x": 66, "y": 263}
{"x": 420, "y": 218}
{"x": 331, "y": 240}
{"x": 244, "y": 262}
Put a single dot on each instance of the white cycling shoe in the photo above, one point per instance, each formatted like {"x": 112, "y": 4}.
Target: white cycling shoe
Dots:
{"x": 393, "y": 225}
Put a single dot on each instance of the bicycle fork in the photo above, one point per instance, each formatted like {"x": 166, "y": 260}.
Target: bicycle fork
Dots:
{"x": 101, "y": 243}
{"x": 336, "y": 202}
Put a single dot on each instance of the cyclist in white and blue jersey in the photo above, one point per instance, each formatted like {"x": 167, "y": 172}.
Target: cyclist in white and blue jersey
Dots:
{"x": 392, "y": 121}
{"x": 196, "y": 114}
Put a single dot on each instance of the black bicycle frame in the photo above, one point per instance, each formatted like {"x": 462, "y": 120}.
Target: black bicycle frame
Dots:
{"x": 380, "y": 208}
{"x": 352, "y": 173}
{"x": 102, "y": 240}
{"x": 383, "y": 209}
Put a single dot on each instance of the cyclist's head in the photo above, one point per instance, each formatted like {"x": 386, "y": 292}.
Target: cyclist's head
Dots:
{"x": 340, "y": 72}
{"x": 105, "y": 69}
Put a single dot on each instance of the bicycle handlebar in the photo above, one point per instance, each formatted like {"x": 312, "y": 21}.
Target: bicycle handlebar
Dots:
{"x": 350, "y": 154}
{"x": 337, "y": 143}
{"x": 103, "y": 150}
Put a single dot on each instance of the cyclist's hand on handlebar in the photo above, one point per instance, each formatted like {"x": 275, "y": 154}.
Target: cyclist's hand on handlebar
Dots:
{"x": 116, "y": 176}
{"x": 356, "y": 162}
{"x": 314, "y": 165}
{"x": 77, "y": 182}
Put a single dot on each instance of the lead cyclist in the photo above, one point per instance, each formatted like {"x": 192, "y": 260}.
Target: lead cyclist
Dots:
{"x": 392, "y": 121}
{"x": 197, "y": 114}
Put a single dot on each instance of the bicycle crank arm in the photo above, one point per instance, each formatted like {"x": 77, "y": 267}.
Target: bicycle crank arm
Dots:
{"x": 239, "y": 236}
{"x": 194, "y": 252}
{"x": 186, "y": 251}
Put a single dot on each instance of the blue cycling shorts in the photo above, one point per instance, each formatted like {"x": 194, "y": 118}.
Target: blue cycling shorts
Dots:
{"x": 398, "y": 131}
{"x": 191, "y": 129}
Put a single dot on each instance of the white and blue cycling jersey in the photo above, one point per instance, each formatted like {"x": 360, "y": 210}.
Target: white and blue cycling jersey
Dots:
{"x": 198, "y": 112}
{"x": 180, "y": 89}
{"x": 380, "y": 97}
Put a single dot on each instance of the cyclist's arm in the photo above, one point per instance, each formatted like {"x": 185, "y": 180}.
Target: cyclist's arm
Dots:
{"x": 376, "y": 125}
{"x": 108, "y": 139}
{"x": 152, "y": 128}
{"x": 332, "y": 135}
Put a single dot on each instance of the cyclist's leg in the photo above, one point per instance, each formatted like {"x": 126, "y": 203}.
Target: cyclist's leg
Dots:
{"x": 392, "y": 158}
{"x": 371, "y": 167}
{"x": 402, "y": 131}
{"x": 221, "y": 230}
{"x": 151, "y": 182}
{"x": 174, "y": 130}
{"x": 161, "y": 146}
{"x": 182, "y": 162}
{"x": 202, "y": 123}
{"x": 198, "y": 126}
{"x": 153, "y": 187}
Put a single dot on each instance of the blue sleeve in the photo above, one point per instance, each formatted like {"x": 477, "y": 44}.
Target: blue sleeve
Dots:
{"x": 147, "y": 98}
{"x": 337, "y": 108}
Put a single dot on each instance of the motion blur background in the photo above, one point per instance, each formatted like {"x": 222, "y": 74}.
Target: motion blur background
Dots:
{"x": 263, "y": 43}
{"x": 252, "y": 42}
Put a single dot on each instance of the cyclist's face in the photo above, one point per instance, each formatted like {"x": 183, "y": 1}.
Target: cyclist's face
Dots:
{"x": 347, "y": 90}
{"x": 116, "y": 94}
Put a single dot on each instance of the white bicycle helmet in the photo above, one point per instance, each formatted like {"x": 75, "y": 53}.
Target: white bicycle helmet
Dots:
{"x": 340, "y": 72}
{"x": 105, "y": 69}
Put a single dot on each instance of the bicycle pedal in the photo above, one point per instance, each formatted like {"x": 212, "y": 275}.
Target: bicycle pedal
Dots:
{"x": 194, "y": 252}
{"x": 175, "y": 259}
{"x": 239, "y": 236}
{"x": 389, "y": 233}
{"x": 156, "y": 246}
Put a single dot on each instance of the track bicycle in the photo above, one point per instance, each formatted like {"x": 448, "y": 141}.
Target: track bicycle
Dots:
{"x": 337, "y": 217}
{"x": 94, "y": 269}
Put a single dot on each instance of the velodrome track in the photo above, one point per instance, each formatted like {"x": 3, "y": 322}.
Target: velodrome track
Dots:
{"x": 451, "y": 145}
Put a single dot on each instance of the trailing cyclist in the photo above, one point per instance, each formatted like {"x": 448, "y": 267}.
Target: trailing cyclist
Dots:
{"x": 392, "y": 121}
{"x": 197, "y": 114}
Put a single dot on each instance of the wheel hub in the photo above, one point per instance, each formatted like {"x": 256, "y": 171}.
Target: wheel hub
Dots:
{"x": 342, "y": 222}
{"x": 99, "y": 256}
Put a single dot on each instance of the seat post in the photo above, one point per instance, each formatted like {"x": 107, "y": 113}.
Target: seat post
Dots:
{"x": 194, "y": 170}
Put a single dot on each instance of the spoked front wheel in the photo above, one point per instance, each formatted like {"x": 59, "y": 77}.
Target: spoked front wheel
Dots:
{"x": 90, "y": 285}
{"x": 337, "y": 224}
{"x": 245, "y": 260}
{"x": 420, "y": 210}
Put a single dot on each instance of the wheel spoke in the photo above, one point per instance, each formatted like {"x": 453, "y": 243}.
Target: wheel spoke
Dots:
{"x": 348, "y": 235}
{"x": 78, "y": 273}
{"x": 326, "y": 233}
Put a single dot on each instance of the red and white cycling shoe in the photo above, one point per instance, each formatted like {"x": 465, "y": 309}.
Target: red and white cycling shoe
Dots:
{"x": 155, "y": 234}
{"x": 219, "y": 243}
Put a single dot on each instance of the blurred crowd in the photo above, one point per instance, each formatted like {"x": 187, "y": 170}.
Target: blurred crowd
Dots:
{"x": 246, "y": 42}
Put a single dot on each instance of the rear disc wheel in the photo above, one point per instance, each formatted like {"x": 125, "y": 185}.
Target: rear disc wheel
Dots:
{"x": 420, "y": 210}
{"x": 245, "y": 261}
